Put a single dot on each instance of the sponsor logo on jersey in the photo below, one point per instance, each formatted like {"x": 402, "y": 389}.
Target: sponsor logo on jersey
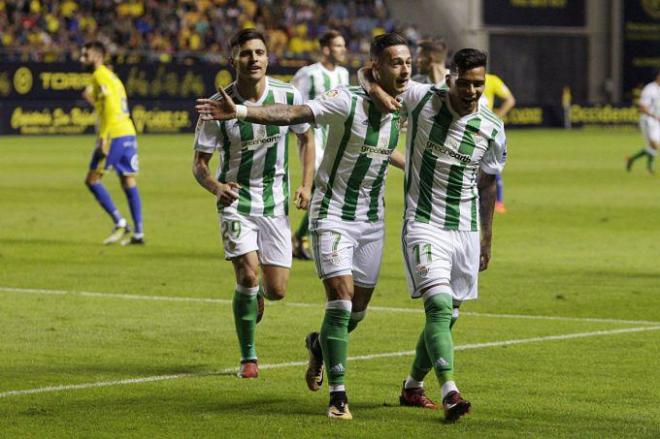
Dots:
{"x": 258, "y": 143}
{"x": 331, "y": 93}
{"x": 375, "y": 152}
{"x": 441, "y": 149}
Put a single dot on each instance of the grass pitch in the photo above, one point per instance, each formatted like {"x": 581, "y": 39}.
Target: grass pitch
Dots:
{"x": 563, "y": 342}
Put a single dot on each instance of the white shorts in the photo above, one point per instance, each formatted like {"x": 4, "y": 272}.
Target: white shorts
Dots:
{"x": 441, "y": 257}
{"x": 269, "y": 236}
{"x": 349, "y": 248}
{"x": 650, "y": 129}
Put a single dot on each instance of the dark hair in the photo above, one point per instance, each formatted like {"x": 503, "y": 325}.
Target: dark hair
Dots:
{"x": 382, "y": 42}
{"x": 96, "y": 45}
{"x": 244, "y": 35}
{"x": 434, "y": 45}
{"x": 466, "y": 59}
{"x": 328, "y": 36}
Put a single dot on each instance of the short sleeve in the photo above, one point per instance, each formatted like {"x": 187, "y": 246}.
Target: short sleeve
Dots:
{"x": 501, "y": 90}
{"x": 412, "y": 96}
{"x": 495, "y": 157}
{"x": 208, "y": 136}
{"x": 298, "y": 100}
{"x": 331, "y": 107}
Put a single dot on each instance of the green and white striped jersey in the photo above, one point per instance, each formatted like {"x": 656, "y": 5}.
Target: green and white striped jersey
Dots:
{"x": 350, "y": 183}
{"x": 312, "y": 81}
{"x": 443, "y": 156}
{"x": 252, "y": 155}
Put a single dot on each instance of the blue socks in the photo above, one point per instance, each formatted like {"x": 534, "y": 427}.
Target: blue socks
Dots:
{"x": 133, "y": 197}
{"x": 103, "y": 197}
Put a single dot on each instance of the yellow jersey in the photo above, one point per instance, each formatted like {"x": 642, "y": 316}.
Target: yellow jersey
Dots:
{"x": 111, "y": 105}
{"x": 494, "y": 87}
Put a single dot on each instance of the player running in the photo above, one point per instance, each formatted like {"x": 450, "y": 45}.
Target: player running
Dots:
{"x": 312, "y": 81}
{"x": 252, "y": 187}
{"x": 649, "y": 123}
{"x": 116, "y": 145}
{"x": 455, "y": 149}
{"x": 346, "y": 213}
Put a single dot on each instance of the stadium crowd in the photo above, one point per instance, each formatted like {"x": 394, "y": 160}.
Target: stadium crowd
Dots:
{"x": 163, "y": 30}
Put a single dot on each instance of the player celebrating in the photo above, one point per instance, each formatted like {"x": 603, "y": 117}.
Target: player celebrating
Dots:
{"x": 252, "y": 188}
{"x": 455, "y": 148}
{"x": 116, "y": 144}
{"x": 649, "y": 123}
{"x": 346, "y": 214}
{"x": 495, "y": 87}
{"x": 430, "y": 59}
{"x": 312, "y": 81}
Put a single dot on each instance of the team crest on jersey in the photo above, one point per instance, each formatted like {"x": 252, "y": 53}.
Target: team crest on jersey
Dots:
{"x": 331, "y": 93}
{"x": 422, "y": 270}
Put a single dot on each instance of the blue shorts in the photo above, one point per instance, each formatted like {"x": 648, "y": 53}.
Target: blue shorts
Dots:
{"x": 122, "y": 156}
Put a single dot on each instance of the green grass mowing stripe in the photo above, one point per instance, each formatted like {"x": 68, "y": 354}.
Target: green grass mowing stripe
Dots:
{"x": 302, "y": 363}
{"x": 310, "y": 305}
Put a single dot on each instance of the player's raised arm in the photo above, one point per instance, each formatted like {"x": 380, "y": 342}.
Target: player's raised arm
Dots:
{"x": 276, "y": 114}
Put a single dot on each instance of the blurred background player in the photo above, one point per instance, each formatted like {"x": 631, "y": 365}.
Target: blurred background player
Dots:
{"x": 312, "y": 81}
{"x": 252, "y": 188}
{"x": 649, "y": 123}
{"x": 495, "y": 87}
{"x": 430, "y": 60}
{"x": 116, "y": 144}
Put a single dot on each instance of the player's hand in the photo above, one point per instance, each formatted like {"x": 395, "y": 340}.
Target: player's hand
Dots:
{"x": 384, "y": 102}
{"x": 210, "y": 109}
{"x": 101, "y": 150}
{"x": 302, "y": 197}
{"x": 484, "y": 259}
{"x": 227, "y": 193}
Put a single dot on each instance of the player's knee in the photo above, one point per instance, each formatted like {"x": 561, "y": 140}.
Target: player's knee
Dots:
{"x": 248, "y": 278}
{"x": 275, "y": 292}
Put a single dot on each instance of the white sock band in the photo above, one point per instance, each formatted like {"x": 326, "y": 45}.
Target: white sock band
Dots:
{"x": 412, "y": 383}
{"x": 358, "y": 316}
{"x": 247, "y": 290}
{"x": 345, "y": 305}
{"x": 448, "y": 387}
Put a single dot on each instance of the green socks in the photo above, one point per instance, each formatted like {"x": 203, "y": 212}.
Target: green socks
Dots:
{"x": 422, "y": 364}
{"x": 650, "y": 153}
{"x": 437, "y": 335}
{"x": 245, "y": 318}
{"x": 334, "y": 340}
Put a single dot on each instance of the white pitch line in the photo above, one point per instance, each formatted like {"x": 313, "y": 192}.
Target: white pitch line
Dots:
{"x": 308, "y": 305}
{"x": 466, "y": 347}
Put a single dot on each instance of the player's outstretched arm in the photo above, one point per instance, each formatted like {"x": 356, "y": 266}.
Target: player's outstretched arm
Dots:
{"x": 276, "y": 114}
{"x": 224, "y": 193}
{"x": 384, "y": 102}
{"x": 303, "y": 194}
{"x": 487, "y": 194}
